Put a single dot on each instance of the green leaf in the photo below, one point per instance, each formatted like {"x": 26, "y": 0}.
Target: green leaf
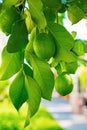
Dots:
{"x": 36, "y": 13}
{"x": 85, "y": 45}
{"x": 29, "y": 46}
{"x": 83, "y": 61}
{"x": 74, "y": 33}
{"x": 64, "y": 43}
{"x": 4, "y": 84}
{"x": 19, "y": 37}
{"x": 34, "y": 95}
{"x": 65, "y": 55}
{"x": 61, "y": 35}
{"x": 52, "y": 3}
{"x": 11, "y": 64}
{"x": 18, "y": 93}
{"x": 28, "y": 20}
{"x": 42, "y": 74}
{"x": 79, "y": 47}
{"x": 28, "y": 70}
{"x": 69, "y": 68}
{"x": 75, "y": 14}
{"x": 50, "y": 14}
{"x": 8, "y": 16}
{"x": 62, "y": 9}
{"x": 83, "y": 5}
{"x": 9, "y": 3}
{"x": 27, "y": 120}
{"x": 0, "y": 7}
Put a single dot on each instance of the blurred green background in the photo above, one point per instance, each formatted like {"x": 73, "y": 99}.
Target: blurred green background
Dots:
{"x": 10, "y": 119}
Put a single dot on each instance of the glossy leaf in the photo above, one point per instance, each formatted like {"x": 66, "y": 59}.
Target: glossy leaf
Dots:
{"x": 27, "y": 120}
{"x": 82, "y": 61}
{"x": 62, "y": 9}
{"x": 29, "y": 46}
{"x": 79, "y": 47}
{"x": 64, "y": 43}
{"x": 52, "y": 4}
{"x": 34, "y": 95}
{"x": 75, "y": 14}
{"x": 8, "y": 16}
{"x": 50, "y": 14}
{"x": 4, "y": 83}
{"x": 28, "y": 70}
{"x": 43, "y": 75}
{"x": 29, "y": 22}
{"x": 61, "y": 35}
{"x": 36, "y": 13}
{"x": 69, "y": 68}
{"x": 85, "y": 45}
{"x": 74, "y": 33}
{"x": 23, "y": 20}
{"x": 83, "y": 5}
{"x": 11, "y": 64}
{"x": 9, "y": 3}
{"x": 19, "y": 37}
{"x": 65, "y": 55}
{"x": 18, "y": 93}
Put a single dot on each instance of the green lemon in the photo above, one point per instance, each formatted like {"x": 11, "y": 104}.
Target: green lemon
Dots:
{"x": 63, "y": 84}
{"x": 44, "y": 46}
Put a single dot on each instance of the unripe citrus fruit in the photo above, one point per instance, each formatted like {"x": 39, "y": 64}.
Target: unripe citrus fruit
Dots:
{"x": 64, "y": 84}
{"x": 44, "y": 46}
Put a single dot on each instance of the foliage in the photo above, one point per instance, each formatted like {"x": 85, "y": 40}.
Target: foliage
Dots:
{"x": 10, "y": 120}
{"x": 7, "y": 122}
{"x": 44, "y": 117}
{"x": 23, "y": 21}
